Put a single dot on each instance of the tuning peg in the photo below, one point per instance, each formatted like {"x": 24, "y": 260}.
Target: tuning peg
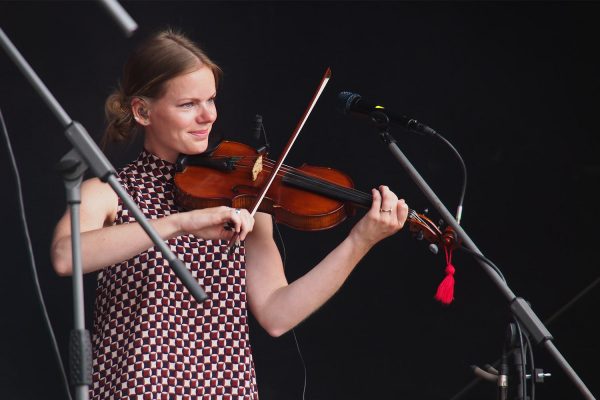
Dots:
{"x": 433, "y": 248}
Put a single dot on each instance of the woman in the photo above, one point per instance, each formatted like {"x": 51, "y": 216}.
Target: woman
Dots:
{"x": 150, "y": 336}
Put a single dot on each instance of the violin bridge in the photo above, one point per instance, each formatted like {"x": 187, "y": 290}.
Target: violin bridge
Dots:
{"x": 257, "y": 168}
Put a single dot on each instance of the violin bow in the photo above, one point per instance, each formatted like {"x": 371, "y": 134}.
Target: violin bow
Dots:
{"x": 288, "y": 147}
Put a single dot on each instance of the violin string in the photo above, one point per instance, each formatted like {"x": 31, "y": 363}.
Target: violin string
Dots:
{"x": 294, "y": 172}
{"x": 412, "y": 215}
{"x": 266, "y": 162}
{"x": 357, "y": 194}
{"x": 284, "y": 167}
{"x": 328, "y": 188}
{"x": 362, "y": 195}
{"x": 344, "y": 192}
{"x": 351, "y": 193}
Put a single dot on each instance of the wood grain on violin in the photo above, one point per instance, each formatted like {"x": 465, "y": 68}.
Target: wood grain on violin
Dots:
{"x": 308, "y": 198}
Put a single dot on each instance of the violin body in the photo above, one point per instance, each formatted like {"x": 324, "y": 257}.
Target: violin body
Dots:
{"x": 234, "y": 173}
{"x": 308, "y": 198}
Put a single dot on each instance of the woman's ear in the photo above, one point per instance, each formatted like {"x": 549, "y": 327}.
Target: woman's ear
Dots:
{"x": 140, "y": 110}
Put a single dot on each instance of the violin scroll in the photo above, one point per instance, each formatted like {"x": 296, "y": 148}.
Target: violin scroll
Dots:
{"x": 308, "y": 198}
{"x": 424, "y": 228}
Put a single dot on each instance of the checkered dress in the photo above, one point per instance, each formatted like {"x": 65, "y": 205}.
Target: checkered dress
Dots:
{"x": 151, "y": 339}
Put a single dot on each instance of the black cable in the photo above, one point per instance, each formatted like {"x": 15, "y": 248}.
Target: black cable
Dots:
{"x": 546, "y": 322}
{"x": 523, "y": 361}
{"x": 38, "y": 290}
{"x": 284, "y": 258}
{"x": 303, "y": 363}
{"x": 531, "y": 367}
{"x": 520, "y": 332}
{"x": 484, "y": 259}
{"x": 464, "y": 177}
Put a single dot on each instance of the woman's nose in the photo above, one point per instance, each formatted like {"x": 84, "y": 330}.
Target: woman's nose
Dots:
{"x": 206, "y": 114}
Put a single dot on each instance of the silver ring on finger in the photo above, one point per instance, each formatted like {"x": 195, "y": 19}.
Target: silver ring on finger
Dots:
{"x": 381, "y": 210}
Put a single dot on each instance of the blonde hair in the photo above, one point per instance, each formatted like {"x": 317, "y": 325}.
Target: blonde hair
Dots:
{"x": 163, "y": 56}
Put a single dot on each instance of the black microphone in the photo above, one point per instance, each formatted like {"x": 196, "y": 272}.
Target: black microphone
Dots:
{"x": 354, "y": 103}
{"x": 257, "y": 126}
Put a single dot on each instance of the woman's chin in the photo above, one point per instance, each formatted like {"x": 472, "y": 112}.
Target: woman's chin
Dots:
{"x": 197, "y": 148}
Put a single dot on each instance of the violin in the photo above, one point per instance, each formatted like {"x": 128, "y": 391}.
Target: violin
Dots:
{"x": 308, "y": 198}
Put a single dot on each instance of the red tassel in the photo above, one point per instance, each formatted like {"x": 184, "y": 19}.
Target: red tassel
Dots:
{"x": 445, "y": 291}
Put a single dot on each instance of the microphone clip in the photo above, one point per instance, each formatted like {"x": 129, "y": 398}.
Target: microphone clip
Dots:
{"x": 259, "y": 130}
{"x": 382, "y": 123}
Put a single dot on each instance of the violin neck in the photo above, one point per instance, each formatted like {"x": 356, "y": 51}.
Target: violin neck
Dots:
{"x": 331, "y": 190}
{"x": 328, "y": 189}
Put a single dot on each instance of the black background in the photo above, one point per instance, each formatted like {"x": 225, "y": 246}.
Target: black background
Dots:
{"x": 513, "y": 85}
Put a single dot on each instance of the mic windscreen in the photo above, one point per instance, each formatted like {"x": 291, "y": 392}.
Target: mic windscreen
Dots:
{"x": 345, "y": 101}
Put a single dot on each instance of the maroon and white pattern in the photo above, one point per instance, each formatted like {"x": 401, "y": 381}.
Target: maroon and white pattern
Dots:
{"x": 151, "y": 339}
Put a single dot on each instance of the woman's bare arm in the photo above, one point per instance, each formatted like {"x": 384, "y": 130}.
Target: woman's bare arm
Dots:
{"x": 103, "y": 243}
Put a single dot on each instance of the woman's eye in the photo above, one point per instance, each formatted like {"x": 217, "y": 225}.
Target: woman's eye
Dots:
{"x": 187, "y": 105}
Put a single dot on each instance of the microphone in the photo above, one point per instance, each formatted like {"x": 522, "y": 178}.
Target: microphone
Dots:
{"x": 354, "y": 103}
{"x": 257, "y": 126}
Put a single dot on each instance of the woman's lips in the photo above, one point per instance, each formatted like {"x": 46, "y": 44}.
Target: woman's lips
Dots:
{"x": 200, "y": 133}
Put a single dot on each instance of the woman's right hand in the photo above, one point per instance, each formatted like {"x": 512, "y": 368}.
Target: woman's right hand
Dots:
{"x": 213, "y": 223}
{"x": 103, "y": 243}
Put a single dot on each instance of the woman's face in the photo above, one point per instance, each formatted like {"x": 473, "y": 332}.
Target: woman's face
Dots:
{"x": 181, "y": 120}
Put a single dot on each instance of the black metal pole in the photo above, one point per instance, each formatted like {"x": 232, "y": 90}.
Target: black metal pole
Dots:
{"x": 72, "y": 169}
{"x": 520, "y": 308}
{"x": 87, "y": 154}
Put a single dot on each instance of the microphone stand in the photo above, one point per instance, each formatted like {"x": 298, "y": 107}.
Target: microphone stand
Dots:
{"x": 515, "y": 350}
{"x": 124, "y": 20}
{"x": 73, "y": 164}
{"x": 519, "y": 307}
{"x": 72, "y": 168}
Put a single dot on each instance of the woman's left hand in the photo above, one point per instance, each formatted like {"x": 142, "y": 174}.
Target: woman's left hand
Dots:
{"x": 386, "y": 217}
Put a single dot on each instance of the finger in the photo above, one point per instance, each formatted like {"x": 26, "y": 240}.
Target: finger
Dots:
{"x": 402, "y": 211}
{"x": 376, "y": 205}
{"x": 389, "y": 200}
{"x": 219, "y": 216}
{"x": 234, "y": 218}
{"x": 227, "y": 221}
{"x": 247, "y": 224}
